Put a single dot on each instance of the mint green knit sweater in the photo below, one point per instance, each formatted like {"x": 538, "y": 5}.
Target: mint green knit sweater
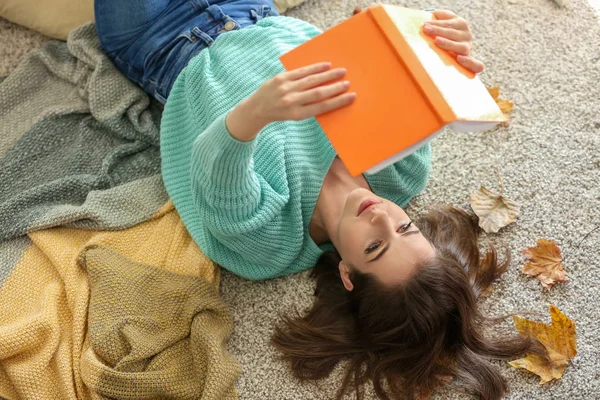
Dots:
{"x": 248, "y": 204}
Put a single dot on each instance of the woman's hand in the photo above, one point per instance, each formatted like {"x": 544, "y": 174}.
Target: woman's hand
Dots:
{"x": 295, "y": 95}
{"x": 452, "y": 33}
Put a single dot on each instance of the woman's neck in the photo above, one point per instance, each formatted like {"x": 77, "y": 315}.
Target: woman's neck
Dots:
{"x": 338, "y": 183}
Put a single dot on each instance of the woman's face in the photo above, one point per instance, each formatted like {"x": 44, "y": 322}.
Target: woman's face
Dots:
{"x": 376, "y": 236}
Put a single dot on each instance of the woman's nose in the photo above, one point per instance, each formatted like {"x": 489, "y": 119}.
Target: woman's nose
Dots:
{"x": 380, "y": 217}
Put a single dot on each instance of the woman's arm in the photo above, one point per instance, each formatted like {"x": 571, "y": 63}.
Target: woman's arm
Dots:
{"x": 223, "y": 153}
{"x": 242, "y": 210}
{"x": 293, "y": 95}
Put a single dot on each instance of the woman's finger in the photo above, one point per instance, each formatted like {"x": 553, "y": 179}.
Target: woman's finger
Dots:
{"x": 320, "y": 93}
{"x": 448, "y": 33}
{"x": 454, "y": 23}
{"x": 315, "y": 80}
{"x": 300, "y": 73}
{"x": 470, "y": 63}
{"x": 444, "y": 14}
{"x": 463, "y": 48}
{"x": 328, "y": 105}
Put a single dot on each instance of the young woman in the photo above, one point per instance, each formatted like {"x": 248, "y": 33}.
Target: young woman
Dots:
{"x": 261, "y": 191}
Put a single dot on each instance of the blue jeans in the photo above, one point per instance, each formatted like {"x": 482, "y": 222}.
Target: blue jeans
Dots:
{"x": 152, "y": 41}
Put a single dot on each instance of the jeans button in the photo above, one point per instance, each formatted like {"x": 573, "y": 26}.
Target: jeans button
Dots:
{"x": 229, "y": 25}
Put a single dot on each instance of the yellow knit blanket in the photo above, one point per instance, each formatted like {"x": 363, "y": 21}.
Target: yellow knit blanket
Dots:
{"x": 130, "y": 314}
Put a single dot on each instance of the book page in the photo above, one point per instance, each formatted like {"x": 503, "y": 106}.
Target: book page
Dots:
{"x": 472, "y": 126}
{"x": 463, "y": 91}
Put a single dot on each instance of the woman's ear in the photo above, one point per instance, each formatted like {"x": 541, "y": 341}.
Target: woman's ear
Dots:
{"x": 345, "y": 276}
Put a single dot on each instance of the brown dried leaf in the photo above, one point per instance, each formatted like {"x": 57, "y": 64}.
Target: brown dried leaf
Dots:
{"x": 545, "y": 263}
{"x": 494, "y": 211}
{"x": 559, "y": 339}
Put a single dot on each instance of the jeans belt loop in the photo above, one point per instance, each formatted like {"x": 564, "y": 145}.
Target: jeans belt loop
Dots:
{"x": 197, "y": 33}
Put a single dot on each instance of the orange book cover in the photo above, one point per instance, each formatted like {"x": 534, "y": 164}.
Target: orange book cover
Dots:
{"x": 408, "y": 89}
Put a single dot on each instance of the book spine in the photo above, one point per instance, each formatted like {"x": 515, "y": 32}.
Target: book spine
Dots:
{"x": 407, "y": 56}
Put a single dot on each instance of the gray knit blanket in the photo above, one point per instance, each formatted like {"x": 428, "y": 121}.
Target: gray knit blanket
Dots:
{"x": 78, "y": 142}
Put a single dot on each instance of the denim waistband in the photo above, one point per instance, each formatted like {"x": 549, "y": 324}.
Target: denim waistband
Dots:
{"x": 156, "y": 52}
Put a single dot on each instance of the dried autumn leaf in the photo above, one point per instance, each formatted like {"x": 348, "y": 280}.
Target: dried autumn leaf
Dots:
{"x": 545, "y": 263}
{"x": 506, "y": 106}
{"x": 559, "y": 339}
{"x": 494, "y": 211}
{"x": 494, "y": 92}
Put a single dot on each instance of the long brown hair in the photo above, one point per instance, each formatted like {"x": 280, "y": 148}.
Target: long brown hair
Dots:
{"x": 405, "y": 338}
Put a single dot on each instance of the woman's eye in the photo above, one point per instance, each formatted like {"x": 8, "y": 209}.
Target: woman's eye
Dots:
{"x": 405, "y": 227}
{"x": 372, "y": 247}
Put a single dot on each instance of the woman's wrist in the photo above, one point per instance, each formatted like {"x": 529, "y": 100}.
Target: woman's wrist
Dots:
{"x": 244, "y": 122}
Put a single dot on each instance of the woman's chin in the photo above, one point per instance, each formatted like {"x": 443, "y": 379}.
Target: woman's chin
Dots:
{"x": 353, "y": 199}
{"x": 360, "y": 191}
{"x": 353, "y": 195}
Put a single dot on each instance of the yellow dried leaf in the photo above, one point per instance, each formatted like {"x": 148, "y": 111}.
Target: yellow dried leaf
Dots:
{"x": 559, "y": 339}
{"x": 494, "y": 211}
{"x": 545, "y": 263}
{"x": 505, "y": 106}
{"x": 547, "y": 371}
{"x": 494, "y": 92}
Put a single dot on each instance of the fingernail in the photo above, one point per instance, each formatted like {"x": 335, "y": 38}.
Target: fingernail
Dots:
{"x": 346, "y": 84}
{"x": 427, "y": 28}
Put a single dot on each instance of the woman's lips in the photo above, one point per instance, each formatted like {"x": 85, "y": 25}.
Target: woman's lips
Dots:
{"x": 364, "y": 205}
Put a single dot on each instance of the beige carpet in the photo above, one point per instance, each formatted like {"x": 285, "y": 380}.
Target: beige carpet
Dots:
{"x": 547, "y": 60}
{"x": 15, "y": 42}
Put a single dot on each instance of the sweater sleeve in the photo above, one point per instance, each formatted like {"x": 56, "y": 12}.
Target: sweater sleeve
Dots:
{"x": 403, "y": 180}
{"x": 237, "y": 205}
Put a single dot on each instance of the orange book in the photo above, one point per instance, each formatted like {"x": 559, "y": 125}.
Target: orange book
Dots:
{"x": 408, "y": 89}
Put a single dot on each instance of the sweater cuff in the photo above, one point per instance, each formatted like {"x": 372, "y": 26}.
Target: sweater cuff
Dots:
{"x": 223, "y": 166}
